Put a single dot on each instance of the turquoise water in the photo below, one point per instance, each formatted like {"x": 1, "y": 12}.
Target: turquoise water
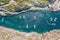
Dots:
{"x": 42, "y": 21}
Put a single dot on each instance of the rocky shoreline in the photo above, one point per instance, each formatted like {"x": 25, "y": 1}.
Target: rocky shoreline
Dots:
{"x": 11, "y": 34}
{"x": 53, "y": 7}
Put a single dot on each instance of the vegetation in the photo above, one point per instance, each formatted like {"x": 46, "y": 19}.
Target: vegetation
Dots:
{"x": 11, "y": 6}
{"x": 18, "y": 3}
{"x": 22, "y": 2}
{"x": 5, "y": 1}
{"x": 42, "y": 1}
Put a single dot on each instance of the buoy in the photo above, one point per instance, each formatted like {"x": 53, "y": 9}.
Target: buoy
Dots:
{"x": 27, "y": 26}
{"x": 23, "y": 17}
{"x": 51, "y": 19}
{"x": 34, "y": 26}
{"x": 2, "y": 20}
{"x": 55, "y": 19}
{"x": 34, "y": 17}
{"x": 20, "y": 17}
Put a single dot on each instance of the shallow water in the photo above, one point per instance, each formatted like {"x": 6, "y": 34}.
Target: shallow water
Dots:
{"x": 43, "y": 20}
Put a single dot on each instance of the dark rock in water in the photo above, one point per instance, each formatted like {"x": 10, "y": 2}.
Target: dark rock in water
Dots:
{"x": 21, "y": 9}
{"x": 41, "y": 5}
{"x": 52, "y": 1}
{"x": 3, "y": 10}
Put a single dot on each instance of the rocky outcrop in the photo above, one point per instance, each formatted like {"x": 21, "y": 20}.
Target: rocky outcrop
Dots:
{"x": 10, "y": 34}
